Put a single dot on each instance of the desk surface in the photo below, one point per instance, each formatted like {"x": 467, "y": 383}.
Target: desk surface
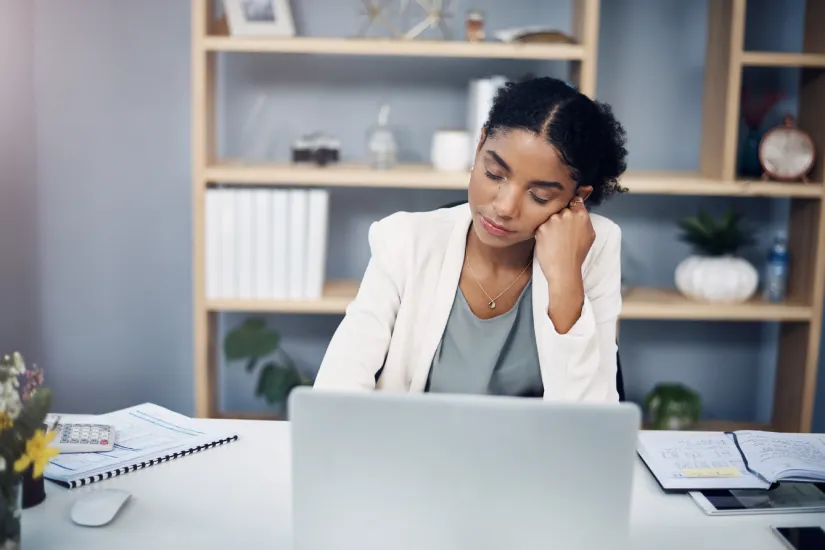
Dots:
{"x": 238, "y": 496}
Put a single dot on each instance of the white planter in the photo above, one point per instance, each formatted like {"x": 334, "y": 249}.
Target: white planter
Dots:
{"x": 722, "y": 279}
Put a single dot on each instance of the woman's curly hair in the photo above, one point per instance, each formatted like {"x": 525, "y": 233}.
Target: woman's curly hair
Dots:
{"x": 589, "y": 139}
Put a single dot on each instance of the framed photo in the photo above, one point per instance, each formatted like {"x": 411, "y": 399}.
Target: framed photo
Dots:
{"x": 259, "y": 17}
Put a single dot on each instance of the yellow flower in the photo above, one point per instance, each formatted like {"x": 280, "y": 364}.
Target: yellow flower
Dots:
{"x": 6, "y": 421}
{"x": 38, "y": 453}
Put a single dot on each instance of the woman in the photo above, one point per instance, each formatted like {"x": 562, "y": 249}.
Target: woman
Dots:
{"x": 516, "y": 292}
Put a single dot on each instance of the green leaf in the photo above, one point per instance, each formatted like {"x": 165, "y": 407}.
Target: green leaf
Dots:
{"x": 275, "y": 382}
{"x": 250, "y": 340}
{"x": 714, "y": 238}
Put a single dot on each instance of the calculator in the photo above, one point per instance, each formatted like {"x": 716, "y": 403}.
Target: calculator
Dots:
{"x": 84, "y": 438}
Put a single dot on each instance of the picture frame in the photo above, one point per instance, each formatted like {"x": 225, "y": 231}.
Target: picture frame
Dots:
{"x": 259, "y": 17}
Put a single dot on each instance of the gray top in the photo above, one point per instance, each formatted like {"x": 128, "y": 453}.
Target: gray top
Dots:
{"x": 495, "y": 356}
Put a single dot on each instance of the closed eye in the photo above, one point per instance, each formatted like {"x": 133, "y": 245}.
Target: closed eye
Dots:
{"x": 539, "y": 199}
{"x": 493, "y": 176}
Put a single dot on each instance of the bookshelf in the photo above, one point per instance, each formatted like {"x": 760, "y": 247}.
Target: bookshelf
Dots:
{"x": 397, "y": 48}
{"x": 639, "y": 303}
{"x": 800, "y": 317}
{"x": 424, "y": 177}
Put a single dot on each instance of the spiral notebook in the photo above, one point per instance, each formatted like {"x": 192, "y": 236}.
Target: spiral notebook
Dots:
{"x": 147, "y": 434}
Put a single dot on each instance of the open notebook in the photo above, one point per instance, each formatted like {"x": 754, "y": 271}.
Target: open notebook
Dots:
{"x": 146, "y": 435}
{"x": 746, "y": 459}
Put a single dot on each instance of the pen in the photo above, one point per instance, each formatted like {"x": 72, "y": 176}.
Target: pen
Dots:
{"x": 54, "y": 424}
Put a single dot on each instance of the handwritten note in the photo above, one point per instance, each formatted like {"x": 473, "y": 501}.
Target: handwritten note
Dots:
{"x": 779, "y": 456}
{"x": 727, "y": 471}
{"x": 695, "y": 460}
{"x": 682, "y": 452}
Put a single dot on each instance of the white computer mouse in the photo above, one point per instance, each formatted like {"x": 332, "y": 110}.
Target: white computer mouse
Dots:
{"x": 98, "y": 507}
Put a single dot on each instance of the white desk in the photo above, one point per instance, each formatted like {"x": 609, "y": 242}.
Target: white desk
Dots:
{"x": 238, "y": 496}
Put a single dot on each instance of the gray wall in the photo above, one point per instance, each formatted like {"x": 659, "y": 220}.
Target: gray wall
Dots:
{"x": 19, "y": 306}
{"x": 110, "y": 276}
{"x": 113, "y": 182}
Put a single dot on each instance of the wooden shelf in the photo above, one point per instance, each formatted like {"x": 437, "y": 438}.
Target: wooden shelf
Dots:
{"x": 423, "y": 176}
{"x": 640, "y": 303}
{"x": 408, "y": 176}
{"x": 337, "y": 295}
{"x": 687, "y": 183}
{"x": 666, "y": 304}
{"x": 392, "y": 47}
{"x": 782, "y": 59}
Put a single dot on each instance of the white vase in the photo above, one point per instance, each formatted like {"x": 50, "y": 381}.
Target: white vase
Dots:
{"x": 448, "y": 151}
{"x": 720, "y": 279}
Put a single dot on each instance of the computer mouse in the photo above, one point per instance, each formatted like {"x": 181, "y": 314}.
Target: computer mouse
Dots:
{"x": 99, "y": 507}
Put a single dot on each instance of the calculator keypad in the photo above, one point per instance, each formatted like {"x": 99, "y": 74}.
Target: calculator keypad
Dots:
{"x": 86, "y": 434}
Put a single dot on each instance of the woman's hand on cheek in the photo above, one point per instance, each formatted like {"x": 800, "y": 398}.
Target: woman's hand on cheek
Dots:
{"x": 562, "y": 244}
{"x": 563, "y": 241}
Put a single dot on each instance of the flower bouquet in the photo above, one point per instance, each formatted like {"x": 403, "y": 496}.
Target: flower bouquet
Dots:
{"x": 24, "y": 442}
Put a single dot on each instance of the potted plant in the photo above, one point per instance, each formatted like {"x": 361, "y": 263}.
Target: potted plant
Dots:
{"x": 672, "y": 406}
{"x": 715, "y": 272}
{"x": 25, "y": 448}
{"x": 254, "y": 342}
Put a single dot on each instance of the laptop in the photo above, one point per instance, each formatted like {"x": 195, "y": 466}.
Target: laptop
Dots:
{"x": 381, "y": 470}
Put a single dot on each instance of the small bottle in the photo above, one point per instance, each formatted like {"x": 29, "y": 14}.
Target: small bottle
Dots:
{"x": 776, "y": 270}
{"x": 381, "y": 144}
{"x": 475, "y": 26}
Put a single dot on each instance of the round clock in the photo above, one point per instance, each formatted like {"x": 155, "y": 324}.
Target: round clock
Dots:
{"x": 786, "y": 153}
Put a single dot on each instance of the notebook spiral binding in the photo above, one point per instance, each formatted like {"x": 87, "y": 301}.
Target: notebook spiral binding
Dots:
{"x": 144, "y": 464}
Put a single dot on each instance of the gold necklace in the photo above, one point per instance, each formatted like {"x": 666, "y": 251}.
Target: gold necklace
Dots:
{"x": 492, "y": 303}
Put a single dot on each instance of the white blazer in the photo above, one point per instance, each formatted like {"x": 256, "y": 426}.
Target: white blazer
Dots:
{"x": 401, "y": 309}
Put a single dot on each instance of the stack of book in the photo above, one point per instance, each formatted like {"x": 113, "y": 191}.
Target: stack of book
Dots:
{"x": 266, "y": 244}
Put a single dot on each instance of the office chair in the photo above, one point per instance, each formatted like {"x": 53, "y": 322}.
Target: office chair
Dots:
{"x": 619, "y": 377}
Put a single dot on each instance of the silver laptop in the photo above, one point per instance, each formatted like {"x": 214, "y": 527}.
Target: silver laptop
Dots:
{"x": 388, "y": 471}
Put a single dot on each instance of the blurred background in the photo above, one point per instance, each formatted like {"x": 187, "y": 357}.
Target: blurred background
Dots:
{"x": 99, "y": 216}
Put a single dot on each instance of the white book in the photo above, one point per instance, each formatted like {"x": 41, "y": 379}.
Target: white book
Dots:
{"x": 316, "y": 254}
{"x": 262, "y": 204}
{"x": 212, "y": 246}
{"x": 297, "y": 232}
{"x": 246, "y": 246}
{"x": 280, "y": 243}
{"x": 228, "y": 231}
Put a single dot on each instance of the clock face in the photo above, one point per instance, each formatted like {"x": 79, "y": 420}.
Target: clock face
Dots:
{"x": 786, "y": 153}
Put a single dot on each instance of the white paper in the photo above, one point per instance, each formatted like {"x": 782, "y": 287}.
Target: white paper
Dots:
{"x": 782, "y": 455}
{"x": 143, "y": 433}
{"x": 669, "y": 453}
